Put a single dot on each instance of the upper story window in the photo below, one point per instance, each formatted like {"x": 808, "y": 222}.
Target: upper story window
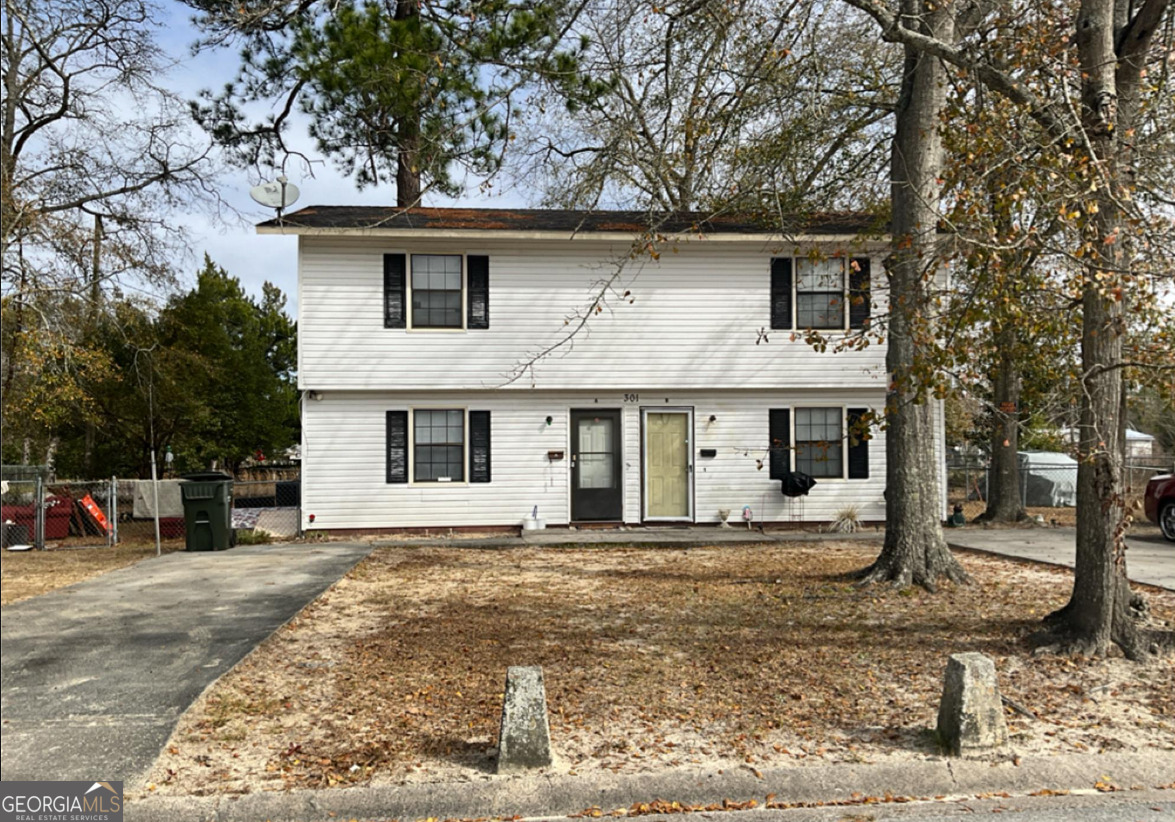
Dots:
{"x": 820, "y": 294}
{"x": 813, "y": 294}
{"x": 436, "y": 291}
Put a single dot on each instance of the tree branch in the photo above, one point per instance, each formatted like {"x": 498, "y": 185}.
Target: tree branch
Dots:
{"x": 992, "y": 76}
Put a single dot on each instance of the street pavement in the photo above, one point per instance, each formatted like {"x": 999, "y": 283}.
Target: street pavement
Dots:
{"x": 1141, "y": 806}
{"x": 94, "y": 676}
{"x": 1149, "y": 558}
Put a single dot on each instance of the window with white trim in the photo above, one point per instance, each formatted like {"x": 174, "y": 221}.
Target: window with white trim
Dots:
{"x": 819, "y": 447}
{"x": 820, "y": 293}
{"x": 437, "y": 291}
{"x": 438, "y": 445}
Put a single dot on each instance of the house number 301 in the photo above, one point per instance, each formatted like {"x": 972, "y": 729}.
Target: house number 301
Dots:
{"x": 632, "y": 397}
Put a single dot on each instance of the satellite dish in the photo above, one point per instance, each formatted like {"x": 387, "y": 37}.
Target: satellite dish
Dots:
{"x": 278, "y": 194}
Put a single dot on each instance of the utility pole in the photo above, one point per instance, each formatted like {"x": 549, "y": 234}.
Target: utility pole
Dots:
{"x": 96, "y": 272}
{"x": 95, "y": 298}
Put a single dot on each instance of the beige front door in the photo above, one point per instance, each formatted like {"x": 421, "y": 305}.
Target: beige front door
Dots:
{"x": 667, "y": 465}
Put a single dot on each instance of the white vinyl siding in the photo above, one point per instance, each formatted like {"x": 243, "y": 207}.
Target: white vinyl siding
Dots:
{"x": 691, "y": 319}
{"x": 344, "y": 460}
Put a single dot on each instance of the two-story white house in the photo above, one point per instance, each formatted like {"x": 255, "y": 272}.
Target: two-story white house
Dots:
{"x": 445, "y": 384}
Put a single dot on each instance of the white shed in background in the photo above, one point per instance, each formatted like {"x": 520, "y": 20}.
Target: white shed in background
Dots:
{"x": 1139, "y": 444}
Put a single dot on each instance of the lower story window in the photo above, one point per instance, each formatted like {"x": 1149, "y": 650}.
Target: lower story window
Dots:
{"x": 820, "y": 442}
{"x": 438, "y": 442}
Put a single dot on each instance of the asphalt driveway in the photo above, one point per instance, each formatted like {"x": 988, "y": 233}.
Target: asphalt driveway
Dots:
{"x": 94, "y": 676}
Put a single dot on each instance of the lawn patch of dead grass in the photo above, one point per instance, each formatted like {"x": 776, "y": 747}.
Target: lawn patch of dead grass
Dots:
{"x": 25, "y": 574}
{"x": 737, "y": 656}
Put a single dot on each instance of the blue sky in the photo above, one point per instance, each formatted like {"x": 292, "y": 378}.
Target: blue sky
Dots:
{"x": 232, "y": 242}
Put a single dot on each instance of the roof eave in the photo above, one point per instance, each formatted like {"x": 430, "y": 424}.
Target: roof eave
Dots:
{"x": 513, "y": 234}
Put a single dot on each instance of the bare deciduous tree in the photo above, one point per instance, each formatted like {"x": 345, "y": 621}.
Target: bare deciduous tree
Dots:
{"x": 748, "y": 106}
{"x": 1091, "y": 109}
{"x": 914, "y": 549}
{"x": 94, "y": 156}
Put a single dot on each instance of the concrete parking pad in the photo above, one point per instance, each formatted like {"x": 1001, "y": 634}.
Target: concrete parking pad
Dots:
{"x": 94, "y": 676}
{"x": 1149, "y": 558}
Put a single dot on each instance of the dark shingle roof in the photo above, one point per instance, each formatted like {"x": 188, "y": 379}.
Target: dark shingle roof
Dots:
{"x": 569, "y": 222}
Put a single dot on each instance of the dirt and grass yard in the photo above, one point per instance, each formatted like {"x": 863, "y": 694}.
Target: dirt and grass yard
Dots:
{"x": 25, "y": 574}
{"x": 735, "y": 656}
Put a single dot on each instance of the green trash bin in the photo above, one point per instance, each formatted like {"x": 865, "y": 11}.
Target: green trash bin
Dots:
{"x": 208, "y": 510}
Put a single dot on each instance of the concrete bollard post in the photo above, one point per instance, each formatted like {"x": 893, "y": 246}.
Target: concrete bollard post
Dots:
{"x": 524, "y": 741}
{"x": 971, "y": 715}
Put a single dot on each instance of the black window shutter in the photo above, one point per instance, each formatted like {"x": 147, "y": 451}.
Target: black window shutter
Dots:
{"x": 395, "y": 315}
{"x": 478, "y": 292}
{"x": 781, "y": 292}
{"x": 479, "y": 446}
{"x": 860, "y": 299}
{"x": 858, "y": 446}
{"x": 779, "y": 455}
{"x": 397, "y": 446}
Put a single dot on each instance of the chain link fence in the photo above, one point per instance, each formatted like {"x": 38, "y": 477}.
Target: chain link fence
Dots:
{"x": 19, "y": 512}
{"x": 1139, "y": 471}
{"x": 69, "y": 514}
{"x": 1048, "y": 483}
{"x": 967, "y": 485}
{"x": 271, "y": 507}
{"x": 80, "y": 514}
{"x": 136, "y": 512}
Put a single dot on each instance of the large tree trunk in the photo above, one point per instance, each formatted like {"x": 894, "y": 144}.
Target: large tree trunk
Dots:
{"x": 1003, "y": 478}
{"x": 408, "y": 144}
{"x": 1098, "y": 613}
{"x": 407, "y": 166}
{"x": 914, "y": 549}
